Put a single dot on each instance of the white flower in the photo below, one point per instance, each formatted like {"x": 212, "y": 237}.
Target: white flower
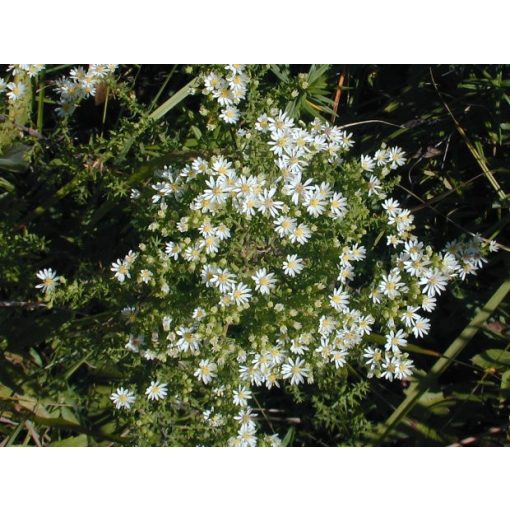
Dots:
{"x": 266, "y": 203}
{"x": 339, "y": 358}
{"x": 339, "y": 300}
{"x": 122, "y": 398}
{"x": 409, "y": 316}
{"x": 246, "y": 417}
{"x": 293, "y": 265}
{"x": 314, "y": 203}
{"x": 16, "y": 91}
{"x": 49, "y": 280}
{"x": 421, "y": 327}
{"x": 374, "y": 186}
{"x": 280, "y": 140}
{"x": 434, "y": 282}
{"x": 222, "y": 232}
{"x": 428, "y": 303}
{"x": 206, "y": 371}
{"x": 298, "y": 190}
{"x": 295, "y": 371}
{"x": 391, "y": 285}
{"x": 188, "y": 340}
{"x": 224, "y": 280}
{"x": 374, "y": 356}
{"x": 240, "y": 293}
{"x": 395, "y": 340}
{"x": 367, "y": 163}
{"x": 145, "y": 275}
{"x": 211, "y": 244}
{"x": 199, "y": 313}
{"x": 403, "y": 368}
{"x": 392, "y": 207}
{"x": 338, "y": 205}
{"x": 247, "y": 435}
{"x": 284, "y": 225}
{"x": 381, "y": 157}
{"x": 230, "y": 114}
{"x": 241, "y": 396}
{"x": 300, "y": 234}
{"x": 156, "y": 391}
{"x": 121, "y": 270}
{"x": 264, "y": 282}
{"x": 396, "y": 157}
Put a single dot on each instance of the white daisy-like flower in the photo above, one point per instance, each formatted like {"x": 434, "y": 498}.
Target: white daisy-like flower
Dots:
{"x": 314, "y": 203}
{"x": 247, "y": 435}
{"x": 434, "y": 282}
{"x": 395, "y": 340}
{"x": 206, "y": 371}
{"x": 293, "y": 265}
{"x": 145, "y": 275}
{"x": 381, "y": 157}
{"x": 338, "y": 205}
{"x": 396, "y": 157}
{"x": 410, "y": 316}
{"x": 172, "y": 250}
{"x": 267, "y": 204}
{"x": 284, "y": 225}
{"x": 16, "y": 91}
{"x": 199, "y": 313}
{"x": 421, "y": 327}
{"x": 296, "y": 189}
{"x": 403, "y": 368}
{"x": 241, "y": 396}
{"x": 188, "y": 341}
{"x": 391, "y": 206}
{"x": 122, "y": 398}
{"x": 121, "y": 270}
{"x": 224, "y": 280}
{"x": 49, "y": 280}
{"x": 339, "y": 300}
{"x": 367, "y": 163}
{"x": 391, "y": 285}
{"x": 301, "y": 234}
{"x": 211, "y": 244}
{"x": 240, "y": 294}
{"x": 156, "y": 391}
{"x": 264, "y": 282}
{"x": 428, "y": 303}
{"x": 295, "y": 371}
{"x": 230, "y": 114}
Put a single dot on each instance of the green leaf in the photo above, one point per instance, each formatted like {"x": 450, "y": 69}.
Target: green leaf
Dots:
{"x": 14, "y": 159}
{"x": 174, "y": 100}
{"x": 75, "y": 441}
{"x": 289, "y": 437}
{"x": 492, "y": 358}
{"x": 505, "y": 386}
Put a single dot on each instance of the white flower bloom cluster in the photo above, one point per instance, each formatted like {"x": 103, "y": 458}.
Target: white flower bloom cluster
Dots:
{"x": 79, "y": 85}
{"x": 276, "y": 245}
{"x": 16, "y": 89}
{"x": 228, "y": 90}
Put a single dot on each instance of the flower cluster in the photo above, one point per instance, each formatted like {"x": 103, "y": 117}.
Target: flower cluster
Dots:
{"x": 16, "y": 89}
{"x": 228, "y": 90}
{"x": 263, "y": 260}
{"x": 79, "y": 85}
